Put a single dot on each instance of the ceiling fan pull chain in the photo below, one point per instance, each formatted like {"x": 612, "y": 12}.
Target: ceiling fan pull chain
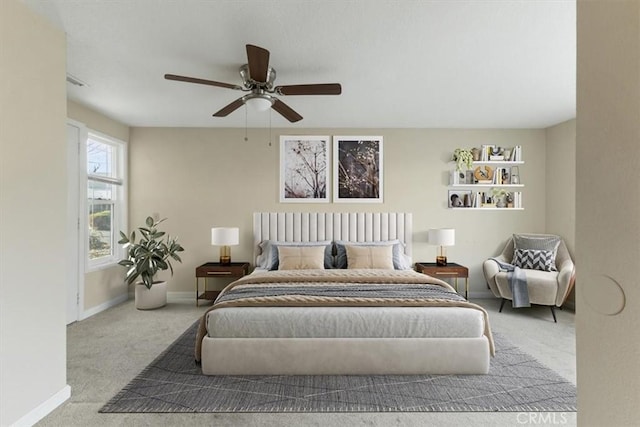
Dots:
{"x": 269, "y": 127}
{"x": 245, "y": 123}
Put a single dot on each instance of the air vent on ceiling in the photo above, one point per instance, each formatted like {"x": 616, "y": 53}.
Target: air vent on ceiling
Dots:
{"x": 75, "y": 81}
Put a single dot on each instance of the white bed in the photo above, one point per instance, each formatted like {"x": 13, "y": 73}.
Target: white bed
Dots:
{"x": 310, "y": 340}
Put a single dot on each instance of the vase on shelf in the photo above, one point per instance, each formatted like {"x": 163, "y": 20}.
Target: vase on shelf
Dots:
{"x": 475, "y": 152}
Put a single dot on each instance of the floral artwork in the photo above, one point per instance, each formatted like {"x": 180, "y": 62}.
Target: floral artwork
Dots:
{"x": 357, "y": 175}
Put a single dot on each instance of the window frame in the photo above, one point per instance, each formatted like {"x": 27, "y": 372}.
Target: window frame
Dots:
{"x": 119, "y": 203}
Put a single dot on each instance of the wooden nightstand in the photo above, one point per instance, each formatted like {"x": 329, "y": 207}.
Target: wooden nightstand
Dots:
{"x": 217, "y": 270}
{"x": 451, "y": 270}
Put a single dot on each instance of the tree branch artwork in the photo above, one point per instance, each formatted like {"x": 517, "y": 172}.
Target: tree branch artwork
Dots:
{"x": 304, "y": 166}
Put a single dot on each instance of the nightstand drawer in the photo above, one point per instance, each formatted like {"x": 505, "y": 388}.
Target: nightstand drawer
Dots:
{"x": 447, "y": 273}
{"x": 451, "y": 270}
{"x": 216, "y": 270}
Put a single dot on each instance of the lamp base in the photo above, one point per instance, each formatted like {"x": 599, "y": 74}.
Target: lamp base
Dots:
{"x": 225, "y": 255}
{"x": 441, "y": 261}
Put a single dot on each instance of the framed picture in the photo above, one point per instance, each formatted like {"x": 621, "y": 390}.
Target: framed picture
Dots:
{"x": 304, "y": 169}
{"x": 357, "y": 169}
{"x": 460, "y": 199}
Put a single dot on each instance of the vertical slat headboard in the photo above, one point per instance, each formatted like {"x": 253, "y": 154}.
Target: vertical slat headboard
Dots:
{"x": 318, "y": 226}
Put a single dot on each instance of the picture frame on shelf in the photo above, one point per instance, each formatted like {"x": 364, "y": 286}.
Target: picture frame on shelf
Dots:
{"x": 304, "y": 169}
{"x": 358, "y": 169}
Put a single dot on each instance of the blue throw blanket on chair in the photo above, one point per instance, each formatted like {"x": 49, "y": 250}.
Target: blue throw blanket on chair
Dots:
{"x": 517, "y": 283}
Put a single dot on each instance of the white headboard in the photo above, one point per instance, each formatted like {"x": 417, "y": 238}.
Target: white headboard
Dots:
{"x": 314, "y": 226}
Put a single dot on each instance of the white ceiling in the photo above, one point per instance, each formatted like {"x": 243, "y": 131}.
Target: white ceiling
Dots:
{"x": 401, "y": 63}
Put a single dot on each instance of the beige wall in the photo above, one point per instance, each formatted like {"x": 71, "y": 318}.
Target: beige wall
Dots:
{"x": 97, "y": 121}
{"x": 561, "y": 186}
{"x": 33, "y": 197}
{"x": 608, "y": 213}
{"x": 561, "y": 181}
{"x": 107, "y": 284}
{"x": 199, "y": 178}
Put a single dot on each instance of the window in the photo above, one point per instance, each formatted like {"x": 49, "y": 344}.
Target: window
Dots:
{"x": 105, "y": 168}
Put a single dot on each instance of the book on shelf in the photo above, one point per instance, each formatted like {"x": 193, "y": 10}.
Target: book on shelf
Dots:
{"x": 517, "y": 199}
{"x": 498, "y": 176}
{"x": 484, "y": 153}
{"x": 516, "y": 154}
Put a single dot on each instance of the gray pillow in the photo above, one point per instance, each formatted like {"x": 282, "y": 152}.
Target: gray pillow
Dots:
{"x": 538, "y": 242}
{"x": 534, "y": 259}
{"x": 400, "y": 261}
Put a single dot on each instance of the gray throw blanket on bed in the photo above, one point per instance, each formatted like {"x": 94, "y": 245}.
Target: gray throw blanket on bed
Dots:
{"x": 355, "y": 291}
{"x": 517, "y": 282}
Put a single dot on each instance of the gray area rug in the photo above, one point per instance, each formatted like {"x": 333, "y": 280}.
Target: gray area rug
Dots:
{"x": 173, "y": 383}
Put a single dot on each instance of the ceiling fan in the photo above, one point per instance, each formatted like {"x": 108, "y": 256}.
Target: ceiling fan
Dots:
{"x": 257, "y": 79}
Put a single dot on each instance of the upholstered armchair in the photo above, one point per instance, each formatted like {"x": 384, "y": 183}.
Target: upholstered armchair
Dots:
{"x": 549, "y": 288}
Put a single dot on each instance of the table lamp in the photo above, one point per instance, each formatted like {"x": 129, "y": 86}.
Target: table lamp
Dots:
{"x": 441, "y": 237}
{"x": 225, "y": 237}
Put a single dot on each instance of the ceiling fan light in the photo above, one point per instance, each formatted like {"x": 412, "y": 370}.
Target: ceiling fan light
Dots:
{"x": 259, "y": 103}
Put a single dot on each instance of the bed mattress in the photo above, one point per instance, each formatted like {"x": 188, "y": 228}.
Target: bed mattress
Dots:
{"x": 345, "y": 322}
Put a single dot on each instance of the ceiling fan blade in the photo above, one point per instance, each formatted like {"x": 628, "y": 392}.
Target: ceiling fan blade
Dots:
{"x": 258, "y": 60}
{"x": 313, "y": 89}
{"x": 200, "y": 81}
{"x": 225, "y": 111}
{"x": 286, "y": 111}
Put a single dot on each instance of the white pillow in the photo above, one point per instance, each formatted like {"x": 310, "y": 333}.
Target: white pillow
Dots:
{"x": 300, "y": 257}
{"x": 369, "y": 257}
{"x": 268, "y": 259}
{"x": 400, "y": 260}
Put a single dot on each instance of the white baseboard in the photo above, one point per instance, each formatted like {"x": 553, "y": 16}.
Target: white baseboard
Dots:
{"x": 482, "y": 294}
{"x": 102, "y": 307}
{"x": 175, "y": 296}
{"x": 44, "y": 408}
{"x": 181, "y": 296}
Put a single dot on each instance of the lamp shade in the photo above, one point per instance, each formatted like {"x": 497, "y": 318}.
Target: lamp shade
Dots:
{"x": 442, "y": 236}
{"x": 225, "y": 236}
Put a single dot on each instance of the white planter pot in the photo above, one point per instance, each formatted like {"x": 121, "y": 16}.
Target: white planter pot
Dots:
{"x": 148, "y": 299}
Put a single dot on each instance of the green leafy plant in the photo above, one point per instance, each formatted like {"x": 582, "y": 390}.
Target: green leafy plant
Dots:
{"x": 150, "y": 254}
{"x": 463, "y": 158}
{"x": 501, "y": 196}
{"x": 499, "y": 192}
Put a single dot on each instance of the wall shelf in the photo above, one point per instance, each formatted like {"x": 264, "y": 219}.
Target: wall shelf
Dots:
{"x": 488, "y": 181}
{"x": 487, "y": 209}
{"x": 499, "y": 163}
{"x": 487, "y": 185}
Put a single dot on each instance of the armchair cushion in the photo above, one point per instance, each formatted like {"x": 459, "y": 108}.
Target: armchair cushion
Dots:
{"x": 541, "y": 285}
{"x": 542, "y": 242}
{"x": 534, "y": 259}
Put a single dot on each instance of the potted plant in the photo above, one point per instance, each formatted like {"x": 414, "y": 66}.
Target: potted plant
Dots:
{"x": 499, "y": 196}
{"x": 463, "y": 158}
{"x": 145, "y": 258}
